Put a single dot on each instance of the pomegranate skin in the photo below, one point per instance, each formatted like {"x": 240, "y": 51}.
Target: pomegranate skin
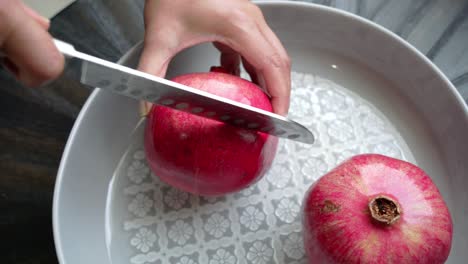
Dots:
{"x": 203, "y": 156}
{"x": 340, "y": 228}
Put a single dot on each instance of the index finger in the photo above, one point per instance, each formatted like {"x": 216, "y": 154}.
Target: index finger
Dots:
{"x": 270, "y": 64}
{"x": 280, "y": 94}
{"x": 255, "y": 41}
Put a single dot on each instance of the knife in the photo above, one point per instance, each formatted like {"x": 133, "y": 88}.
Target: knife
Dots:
{"x": 138, "y": 85}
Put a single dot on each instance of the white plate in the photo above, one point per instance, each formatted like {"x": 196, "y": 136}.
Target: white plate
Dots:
{"x": 356, "y": 85}
{"x": 48, "y": 8}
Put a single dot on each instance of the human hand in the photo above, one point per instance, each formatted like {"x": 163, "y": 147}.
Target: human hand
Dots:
{"x": 238, "y": 30}
{"x": 31, "y": 54}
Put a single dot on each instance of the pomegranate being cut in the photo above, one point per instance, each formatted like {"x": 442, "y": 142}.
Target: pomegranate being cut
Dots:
{"x": 203, "y": 156}
{"x": 376, "y": 209}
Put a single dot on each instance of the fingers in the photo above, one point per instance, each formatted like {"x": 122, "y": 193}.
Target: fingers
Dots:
{"x": 272, "y": 70}
{"x": 160, "y": 42}
{"x": 157, "y": 50}
{"x": 251, "y": 71}
{"x": 238, "y": 30}
{"x": 154, "y": 58}
{"x": 280, "y": 93}
{"x": 230, "y": 59}
{"x": 44, "y": 22}
{"x": 258, "y": 45}
{"x": 32, "y": 55}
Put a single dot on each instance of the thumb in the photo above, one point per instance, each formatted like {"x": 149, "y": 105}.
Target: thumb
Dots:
{"x": 154, "y": 60}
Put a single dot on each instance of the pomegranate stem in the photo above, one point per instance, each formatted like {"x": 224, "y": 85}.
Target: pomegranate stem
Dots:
{"x": 384, "y": 209}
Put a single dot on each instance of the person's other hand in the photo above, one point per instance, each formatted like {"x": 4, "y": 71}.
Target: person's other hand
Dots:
{"x": 237, "y": 28}
{"x": 31, "y": 54}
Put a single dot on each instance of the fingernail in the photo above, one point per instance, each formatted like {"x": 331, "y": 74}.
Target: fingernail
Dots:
{"x": 45, "y": 20}
{"x": 10, "y": 67}
{"x": 145, "y": 108}
{"x": 36, "y": 15}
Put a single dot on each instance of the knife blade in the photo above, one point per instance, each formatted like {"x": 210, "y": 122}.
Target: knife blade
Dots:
{"x": 138, "y": 85}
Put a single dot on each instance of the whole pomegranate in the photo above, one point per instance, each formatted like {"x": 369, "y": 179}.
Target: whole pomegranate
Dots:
{"x": 204, "y": 156}
{"x": 376, "y": 209}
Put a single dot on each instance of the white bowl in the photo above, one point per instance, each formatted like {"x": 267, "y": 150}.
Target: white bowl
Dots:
{"x": 375, "y": 69}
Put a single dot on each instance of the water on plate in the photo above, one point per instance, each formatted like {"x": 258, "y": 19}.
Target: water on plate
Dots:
{"x": 147, "y": 221}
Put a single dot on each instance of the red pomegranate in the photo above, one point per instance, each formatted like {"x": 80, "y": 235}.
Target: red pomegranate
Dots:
{"x": 204, "y": 156}
{"x": 376, "y": 209}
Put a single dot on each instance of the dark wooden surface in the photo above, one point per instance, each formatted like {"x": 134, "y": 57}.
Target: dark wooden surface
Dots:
{"x": 35, "y": 123}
